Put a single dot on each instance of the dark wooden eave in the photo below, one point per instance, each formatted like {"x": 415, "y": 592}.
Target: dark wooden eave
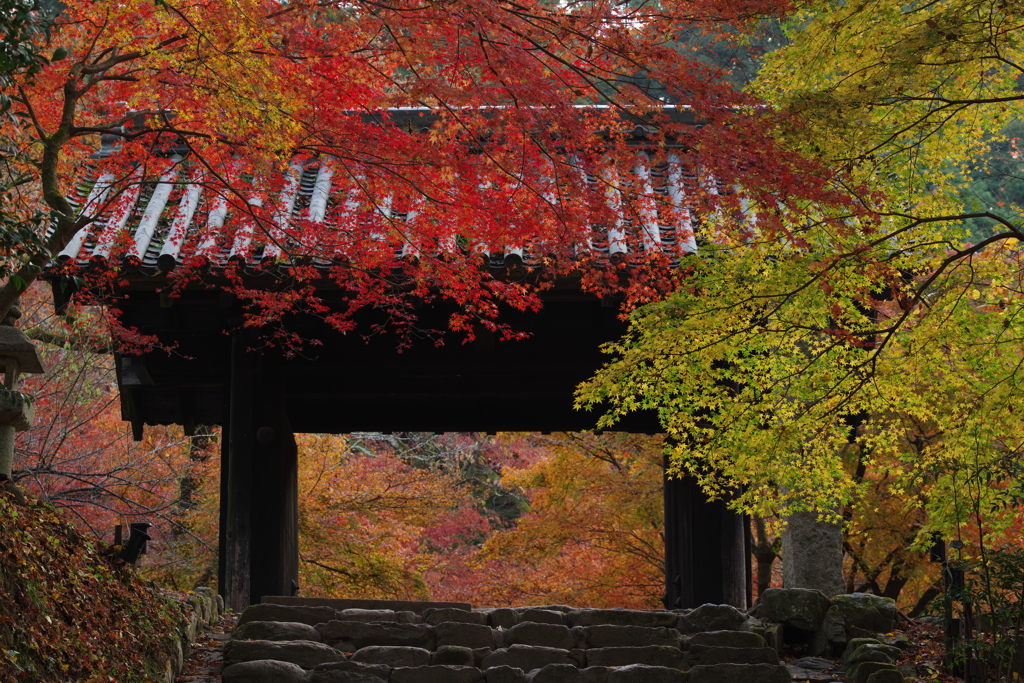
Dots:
{"x": 349, "y": 383}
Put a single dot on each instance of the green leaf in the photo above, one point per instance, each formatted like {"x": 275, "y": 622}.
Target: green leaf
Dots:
{"x": 59, "y": 54}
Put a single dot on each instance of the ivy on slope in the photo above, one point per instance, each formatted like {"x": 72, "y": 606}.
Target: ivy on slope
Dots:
{"x": 70, "y": 612}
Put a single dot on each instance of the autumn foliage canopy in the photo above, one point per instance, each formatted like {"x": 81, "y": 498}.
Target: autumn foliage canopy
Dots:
{"x": 549, "y": 134}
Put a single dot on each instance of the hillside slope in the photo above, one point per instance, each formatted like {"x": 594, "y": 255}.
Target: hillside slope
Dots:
{"x": 72, "y": 612}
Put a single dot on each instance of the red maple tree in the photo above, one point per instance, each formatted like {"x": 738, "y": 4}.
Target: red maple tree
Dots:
{"x": 569, "y": 138}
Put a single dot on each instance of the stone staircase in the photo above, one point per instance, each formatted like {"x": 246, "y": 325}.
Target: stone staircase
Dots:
{"x": 309, "y": 640}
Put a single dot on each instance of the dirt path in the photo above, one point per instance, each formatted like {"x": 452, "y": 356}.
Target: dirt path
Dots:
{"x": 203, "y": 665}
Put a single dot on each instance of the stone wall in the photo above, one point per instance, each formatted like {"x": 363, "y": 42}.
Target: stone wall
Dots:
{"x": 202, "y": 608}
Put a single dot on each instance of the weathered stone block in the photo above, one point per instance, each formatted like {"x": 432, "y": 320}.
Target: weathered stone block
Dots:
{"x": 349, "y": 636}
{"x": 813, "y": 664}
{"x": 437, "y": 674}
{"x": 772, "y": 634}
{"x": 349, "y": 603}
{"x": 831, "y": 635}
{"x": 263, "y": 671}
{"x": 631, "y": 636}
{"x": 392, "y": 655}
{"x": 548, "y": 635}
{"x": 382, "y": 615}
{"x": 502, "y": 617}
{"x": 751, "y": 624}
{"x": 863, "y": 610}
{"x": 480, "y": 653}
{"x": 342, "y": 676}
{"x": 702, "y": 655}
{"x": 527, "y": 657}
{"x": 595, "y": 674}
{"x": 504, "y": 674}
{"x": 201, "y": 607}
{"x": 886, "y": 676}
{"x": 177, "y": 657}
{"x": 861, "y": 672}
{"x": 620, "y": 617}
{"x": 640, "y": 673}
{"x": 454, "y": 655}
{"x": 303, "y": 614}
{"x": 714, "y": 618}
{"x": 466, "y": 635}
{"x": 651, "y": 655}
{"x": 191, "y": 630}
{"x": 874, "y": 652}
{"x": 855, "y": 643}
{"x": 304, "y": 653}
{"x": 796, "y": 607}
{"x": 736, "y": 673}
{"x": 813, "y": 549}
{"x": 727, "y": 639}
{"x": 377, "y": 671}
{"x": 555, "y": 673}
{"x": 899, "y": 640}
{"x": 275, "y": 630}
{"x": 540, "y": 616}
{"x": 436, "y": 616}
{"x": 580, "y": 634}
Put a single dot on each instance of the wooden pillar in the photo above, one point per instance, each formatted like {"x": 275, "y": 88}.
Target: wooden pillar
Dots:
{"x": 259, "y": 549}
{"x": 735, "y": 587}
{"x": 678, "y": 544}
{"x": 275, "y": 541}
{"x": 706, "y": 549}
{"x": 225, "y": 478}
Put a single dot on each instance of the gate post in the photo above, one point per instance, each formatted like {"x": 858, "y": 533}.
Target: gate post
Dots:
{"x": 706, "y": 548}
{"x": 259, "y": 552}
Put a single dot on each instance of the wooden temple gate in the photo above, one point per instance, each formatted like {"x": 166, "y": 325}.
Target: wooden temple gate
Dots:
{"x": 261, "y": 398}
{"x": 217, "y": 375}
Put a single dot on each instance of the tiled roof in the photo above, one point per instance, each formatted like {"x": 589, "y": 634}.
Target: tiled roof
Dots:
{"x": 157, "y": 223}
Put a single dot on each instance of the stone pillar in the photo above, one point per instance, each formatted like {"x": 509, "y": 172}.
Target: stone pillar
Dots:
{"x": 17, "y": 355}
{"x": 812, "y": 554}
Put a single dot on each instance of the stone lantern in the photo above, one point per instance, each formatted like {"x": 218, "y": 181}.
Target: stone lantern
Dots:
{"x": 17, "y": 355}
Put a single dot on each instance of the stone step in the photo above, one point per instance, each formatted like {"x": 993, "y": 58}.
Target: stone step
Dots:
{"x": 416, "y": 606}
{"x": 304, "y": 653}
{"x": 628, "y": 636}
{"x": 350, "y": 636}
{"x": 737, "y": 673}
{"x": 437, "y": 674}
{"x": 651, "y": 655}
{"x": 620, "y": 617}
{"x": 375, "y": 643}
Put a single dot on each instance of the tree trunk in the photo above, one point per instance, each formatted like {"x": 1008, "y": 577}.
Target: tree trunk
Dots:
{"x": 765, "y": 553}
{"x": 199, "y": 444}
